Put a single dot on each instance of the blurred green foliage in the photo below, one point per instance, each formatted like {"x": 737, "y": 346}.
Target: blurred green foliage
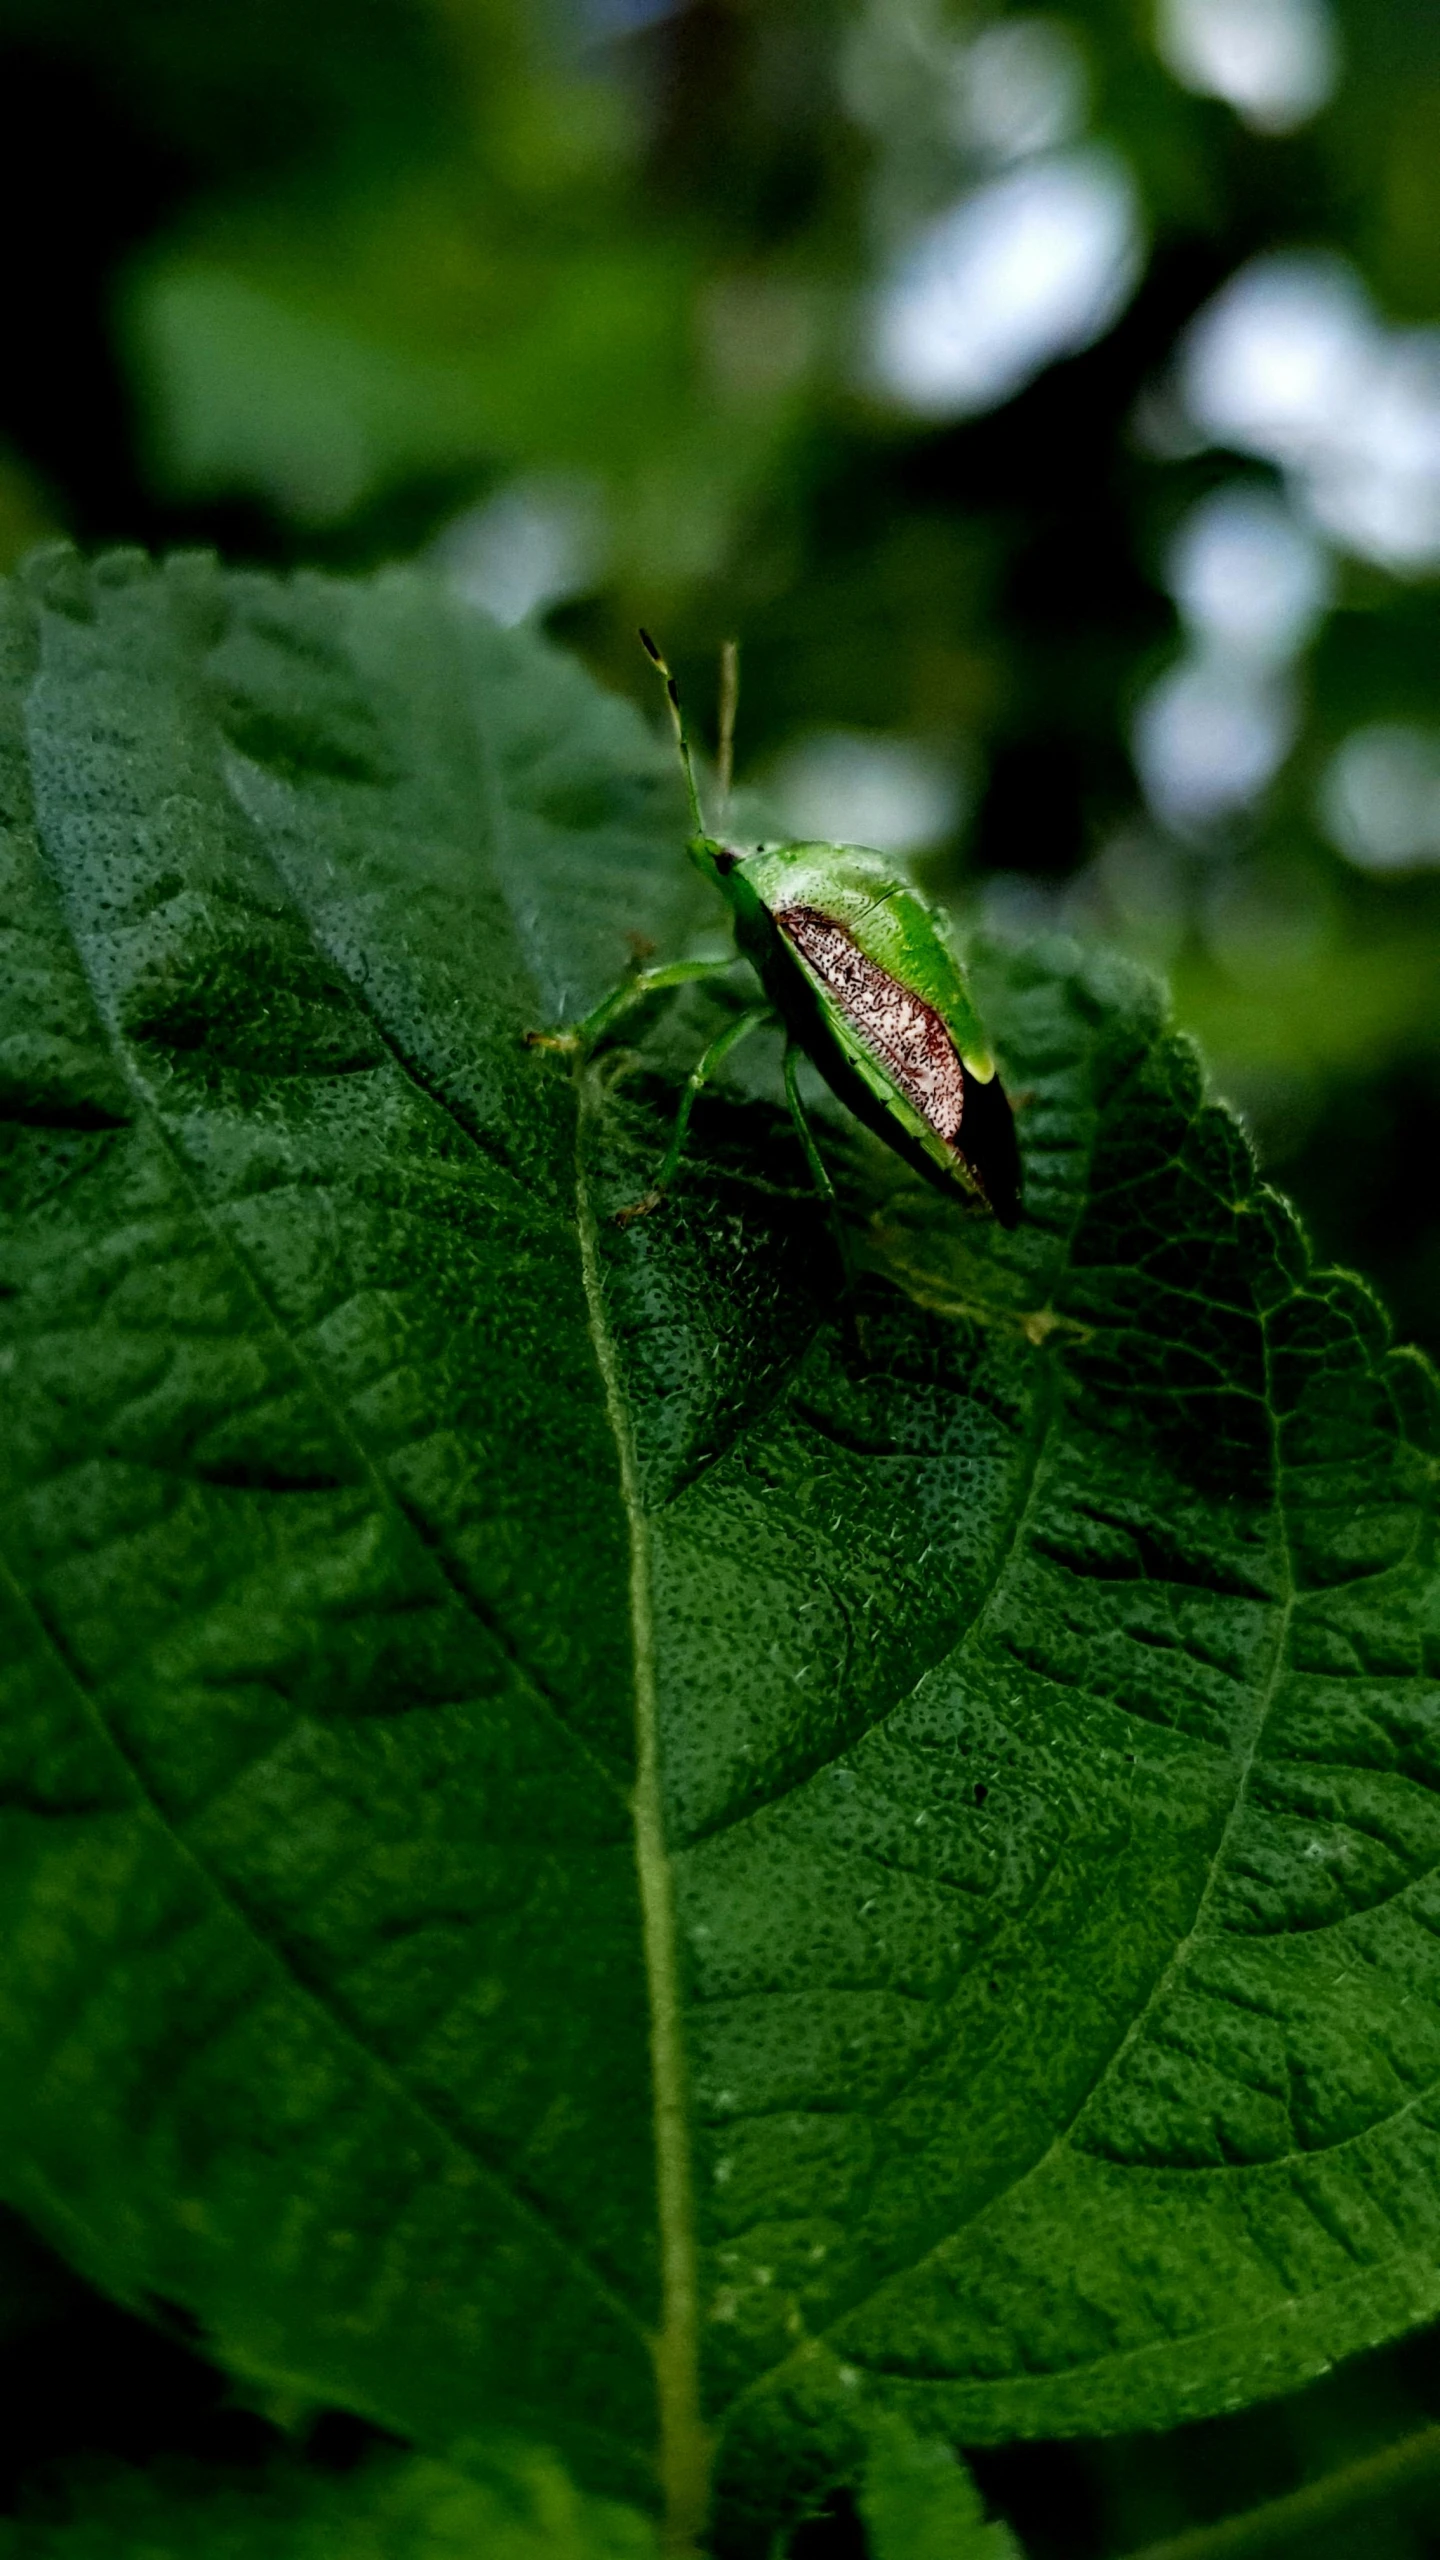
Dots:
{"x": 577, "y": 295}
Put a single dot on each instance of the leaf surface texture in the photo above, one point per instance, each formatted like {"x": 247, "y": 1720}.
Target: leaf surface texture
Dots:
{"x": 1027, "y": 1718}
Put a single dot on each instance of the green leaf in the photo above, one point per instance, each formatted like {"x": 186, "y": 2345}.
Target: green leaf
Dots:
{"x": 520, "y": 2506}
{"x": 919, "y": 2502}
{"x": 257, "y": 381}
{"x": 579, "y": 1853}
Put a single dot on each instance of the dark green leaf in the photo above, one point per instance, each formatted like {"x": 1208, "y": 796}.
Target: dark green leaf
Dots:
{"x": 518, "y": 2507}
{"x": 919, "y": 2503}
{"x": 565, "y": 1827}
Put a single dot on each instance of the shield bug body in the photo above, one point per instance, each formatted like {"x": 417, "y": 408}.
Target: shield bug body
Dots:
{"x": 863, "y": 979}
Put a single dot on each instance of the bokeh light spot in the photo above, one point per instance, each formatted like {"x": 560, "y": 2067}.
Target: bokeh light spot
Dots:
{"x": 1380, "y": 798}
{"x": 1290, "y": 361}
{"x": 1248, "y": 576}
{"x": 837, "y": 786}
{"x": 534, "y": 544}
{"x": 1208, "y": 738}
{"x": 1022, "y": 87}
{"x": 1274, "y": 61}
{"x": 1033, "y": 266}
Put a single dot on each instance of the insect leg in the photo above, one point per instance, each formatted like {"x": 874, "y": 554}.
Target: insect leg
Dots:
{"x": 816, "y": 1162}
{"x": 631, "y": 991}
{"x": 700, "y": 1074}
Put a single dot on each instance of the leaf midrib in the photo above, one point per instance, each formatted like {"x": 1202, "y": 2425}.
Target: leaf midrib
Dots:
{"x": 685, "y": 2445}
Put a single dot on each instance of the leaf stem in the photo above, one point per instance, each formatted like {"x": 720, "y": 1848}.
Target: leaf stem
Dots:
{"x": 1320, "y": 2502}
{"x": 686, "y": 2444}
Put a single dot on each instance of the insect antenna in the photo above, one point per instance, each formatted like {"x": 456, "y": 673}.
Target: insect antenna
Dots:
{"x": 677, "y": 722}
{"x": 729, "y": 704}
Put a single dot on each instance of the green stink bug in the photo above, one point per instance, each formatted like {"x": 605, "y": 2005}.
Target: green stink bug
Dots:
{"x": 865, "y": 985}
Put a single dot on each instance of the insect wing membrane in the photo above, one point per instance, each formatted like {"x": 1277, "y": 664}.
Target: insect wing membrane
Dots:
{"x": 898, "y": 1029}
{"x": 897, "y": 1004}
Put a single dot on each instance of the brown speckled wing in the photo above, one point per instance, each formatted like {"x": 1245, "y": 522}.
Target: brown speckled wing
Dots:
{"x": 904, "y": 1033}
